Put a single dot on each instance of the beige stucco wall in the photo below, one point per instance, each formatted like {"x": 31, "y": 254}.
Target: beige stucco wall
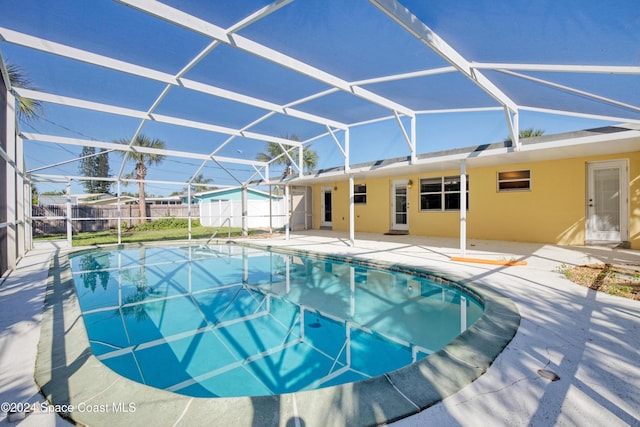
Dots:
{"x": 553, "y": 211}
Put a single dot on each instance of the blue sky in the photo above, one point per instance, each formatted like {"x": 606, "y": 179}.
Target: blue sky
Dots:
{"x": 352, "y": 40}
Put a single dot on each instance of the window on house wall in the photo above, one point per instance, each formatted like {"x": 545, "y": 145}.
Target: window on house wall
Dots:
{"x": 514, "y": 180}
{"x": 441, "y": 193}
{"x": 360, "y": 194}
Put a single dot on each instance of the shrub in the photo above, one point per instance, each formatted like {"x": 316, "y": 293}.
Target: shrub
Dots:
{"x": 167, "y": 224}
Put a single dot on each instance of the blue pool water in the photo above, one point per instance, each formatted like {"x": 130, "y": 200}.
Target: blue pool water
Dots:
{"x": 230, "y": 320}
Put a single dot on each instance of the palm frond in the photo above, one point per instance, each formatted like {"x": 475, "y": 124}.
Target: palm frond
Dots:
{"x": 28, "y": 109}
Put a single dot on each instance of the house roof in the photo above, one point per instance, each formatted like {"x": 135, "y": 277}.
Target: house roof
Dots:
{"x": 219, "y": 80}
{"x": 226, "y": 191}
{"x": 111, "y": 200}
{"x": 590, "y": 142}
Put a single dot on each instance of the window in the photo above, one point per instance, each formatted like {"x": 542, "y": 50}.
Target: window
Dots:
{"x": 360, "y": 193}
{"x": 441, "y": 194}
{"x": 514, "y": 180}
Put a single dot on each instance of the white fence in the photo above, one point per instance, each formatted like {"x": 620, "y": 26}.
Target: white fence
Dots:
{"x": 213, "y": 213}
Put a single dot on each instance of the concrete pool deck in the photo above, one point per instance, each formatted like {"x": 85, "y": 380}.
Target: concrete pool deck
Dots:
{"x": 590, "y": 340}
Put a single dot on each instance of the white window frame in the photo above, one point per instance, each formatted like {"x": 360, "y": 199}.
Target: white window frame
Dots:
{"x": 443, "y": 193}
{"x": 359, "y": 193}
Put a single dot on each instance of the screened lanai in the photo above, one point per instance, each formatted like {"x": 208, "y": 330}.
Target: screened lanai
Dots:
{"x": 357, "y": 82}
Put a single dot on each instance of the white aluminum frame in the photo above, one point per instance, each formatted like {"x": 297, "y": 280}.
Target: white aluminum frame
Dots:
{"x": 361, "y": 89}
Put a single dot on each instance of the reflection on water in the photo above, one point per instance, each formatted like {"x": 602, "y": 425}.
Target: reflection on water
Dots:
{"x": 234, "y": 321}
{"x": 94, "y": 267}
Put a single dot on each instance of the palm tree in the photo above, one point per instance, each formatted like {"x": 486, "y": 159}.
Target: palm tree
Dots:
{"x": 309, "y": 158}
{"x": 143, "y": 161}
{"x": 132, "y": 304}
{"x": 200, "y": 179}
{"x": 275, "y": 152}
{"x": 530, "y": 133}
{"x": 526, "y": 133}
{"x": 28, "y": 109}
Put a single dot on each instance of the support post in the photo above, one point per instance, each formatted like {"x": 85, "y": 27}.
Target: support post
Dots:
{"x": 414, "y": 140}
{"x": 463, "y": 208}
{"x": 286, "y": 212}
{"x": 189, "y": 210}
{"x": 301, "y": 161}
{"x": 347, "y": 151}
{"x": 21, "y": 200}
{"x": 69, "y": 214}
{"x": 270, "y": 209}
{"x": 29, "y": 216}
{"x": 9, "y": 187}
{"x": 352, "y": 238}
{"x": 119, "y": 215}
{"x": 245, "y": 230}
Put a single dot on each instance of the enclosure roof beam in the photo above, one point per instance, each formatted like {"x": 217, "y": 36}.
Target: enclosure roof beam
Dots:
{"x": 136, "y": 149}
{"x": 426, "y": 35}
{"x": 582, "y": 115}
{"x": 559, "y": 68}
{"x": 112, "y": 109}
{"x": 77, "y": 159}
{"x": 405, "y": 76}
{"x": 65, "y": 178}
{"x": 208, "y": 29}
{"x": 263, "y": 176}
{"x": 258, "y": 15}
{"x": 410, "y": 141}
{"x": 572, "y": 90}
{"x": 513, "y": 124}
{"x": 231, "y": 174}
{"x": 48, "y": 46}
{"x": 335, "y": 139}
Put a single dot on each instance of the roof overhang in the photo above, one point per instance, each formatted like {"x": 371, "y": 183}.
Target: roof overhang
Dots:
{"x": 587, "y": 143}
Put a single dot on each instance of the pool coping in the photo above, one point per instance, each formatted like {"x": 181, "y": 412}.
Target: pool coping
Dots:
{"x": 89, "y": 393}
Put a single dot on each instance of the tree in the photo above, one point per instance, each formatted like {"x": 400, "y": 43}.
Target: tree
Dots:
{"x": 34, "y": 194}
{"x": 200, "y": 179}
{"x": 275, "y": 152}
{"x": 102, "y": 170}
{"x": 530, "y": 133}
{"x": 28, "y": 109}
{"x": 94, "y": 165}
{"x": 143, "y": 162}
{"x": 527, "y": 133}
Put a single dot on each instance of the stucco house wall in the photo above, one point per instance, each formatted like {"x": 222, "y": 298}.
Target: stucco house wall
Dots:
{"x": 554, "y": 210}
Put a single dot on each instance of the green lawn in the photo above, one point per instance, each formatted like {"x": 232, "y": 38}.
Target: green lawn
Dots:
{"x": 134, "y": 236}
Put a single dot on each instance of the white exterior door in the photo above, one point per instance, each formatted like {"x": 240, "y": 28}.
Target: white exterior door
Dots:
{"x": 607, "y": 201}
{"x": 399, "y": 205}
{"x": 326, "y": 207}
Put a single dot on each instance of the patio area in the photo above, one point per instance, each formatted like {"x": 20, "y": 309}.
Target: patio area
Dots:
{"x": 590, "y": 340}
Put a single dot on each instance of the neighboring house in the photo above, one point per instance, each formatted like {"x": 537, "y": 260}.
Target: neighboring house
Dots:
{"x": 227, "y": 194}
{"x": 263, "y": 210}
{"x": 104, "y": 199}
{"x": 570, "y": 189}
{"x": 167, "y": 200}
{"x": 108, "y": 199}
{"x": 56, "y": 200}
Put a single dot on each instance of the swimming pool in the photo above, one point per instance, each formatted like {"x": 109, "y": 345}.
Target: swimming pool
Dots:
{"x": 229, "y": 320}
{"x": 71, "y": 376}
